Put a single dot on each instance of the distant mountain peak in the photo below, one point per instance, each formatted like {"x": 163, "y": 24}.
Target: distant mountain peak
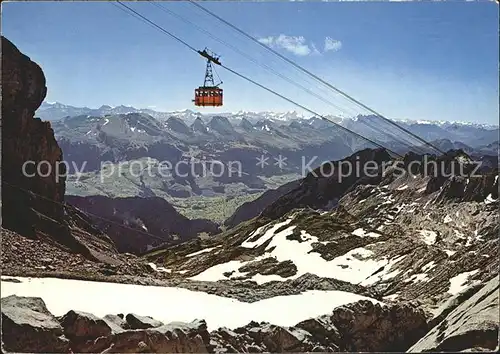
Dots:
{"x": 199, "y": 126}
{"x": 246, "y": 124}
{"x": 176, "y": 124}
{"x": 221, "y": 125}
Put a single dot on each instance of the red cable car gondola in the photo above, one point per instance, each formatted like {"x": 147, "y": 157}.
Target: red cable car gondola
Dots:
{"x": 209, "y": 94}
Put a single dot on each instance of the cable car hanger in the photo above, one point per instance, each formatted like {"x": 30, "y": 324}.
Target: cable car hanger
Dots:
{"x": 211, "y": 57}
{"x": 209, "y": 94}
{"x": 254, "y": 82}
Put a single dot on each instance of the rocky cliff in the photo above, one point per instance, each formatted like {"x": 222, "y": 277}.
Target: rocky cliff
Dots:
{"x": 33, "y": 175}
{"x": 27, "y": 140}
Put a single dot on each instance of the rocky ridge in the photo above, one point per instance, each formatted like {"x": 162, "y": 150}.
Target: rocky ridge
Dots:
{"x": 29, "y": 326}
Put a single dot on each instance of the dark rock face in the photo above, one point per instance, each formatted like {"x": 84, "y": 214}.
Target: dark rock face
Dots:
{"x": 365, "y": 326}
{"x": 27, "y": 140}
{"x": 33, "y": 201}
{"x": 141, "y": 218}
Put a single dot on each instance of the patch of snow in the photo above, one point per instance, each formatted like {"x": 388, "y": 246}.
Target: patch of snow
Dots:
{"x": 449, "y": 253}
{"x": 106, "y": 121}
{"x": 87, "y": 133}
{"x": 489, "y": 199}
{"x": 159, "y": 269}
{"x": 458, "y": 283}
{"x": 262, "y": 279}
{"x": 447, "y": 219}
{"x": 267, "y": 235}
{"x": 429, "y": 237}
{"x": 402, "y": 188}
{"x": 99, "y": 298}
{"x": 428, "y": 266}
{"x": 202, "y": 251}
{"x": 384, "y": 274}
{"x": 362, "y": 233}
{"x": 217, "y": 271}
{"x": 420, "y": 277}
{"x": 391, "y": 297}
{"x": 352, "y": 266}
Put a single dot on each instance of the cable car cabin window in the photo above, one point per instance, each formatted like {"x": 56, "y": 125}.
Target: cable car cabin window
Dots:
{"x": 208, "y": 96}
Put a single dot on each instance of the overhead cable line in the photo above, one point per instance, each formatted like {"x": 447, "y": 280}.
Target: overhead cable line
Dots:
{"x": 260, "y": 85}
{"x": 315, "y": 76}
{"x": 378, "y": 130}
{"x": 267, "y": 67}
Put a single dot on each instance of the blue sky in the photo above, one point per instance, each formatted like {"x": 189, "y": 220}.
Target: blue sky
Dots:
{"x": 435, "y": 61}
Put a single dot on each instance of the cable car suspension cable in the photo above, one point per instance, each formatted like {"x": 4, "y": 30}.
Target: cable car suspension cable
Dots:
{"x": 315, "y": 76}
{"x": 262, "y": 86}
{"x": 161, "y": 7}
{"x": 172, "y": 13}
{"x": 381, "y": 131}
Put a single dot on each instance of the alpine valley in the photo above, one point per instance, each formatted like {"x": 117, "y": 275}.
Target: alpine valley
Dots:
{"x": 99, "y": 256}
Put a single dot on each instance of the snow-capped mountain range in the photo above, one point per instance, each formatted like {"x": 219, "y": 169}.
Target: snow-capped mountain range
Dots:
{"x": 55, "y": 110}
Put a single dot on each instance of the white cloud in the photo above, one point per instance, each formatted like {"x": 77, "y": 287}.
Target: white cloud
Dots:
{"x": 294, "y": 44}
{"x": 299, "y": 46}
{"x": 332, "y": 44}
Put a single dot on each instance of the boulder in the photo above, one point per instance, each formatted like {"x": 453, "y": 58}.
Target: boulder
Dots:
{"x": 84, "y": 325}
{"x": 365, "y": 326}
{"x": 170, "y": 338}
{"x": 141, "y": 322}
{"x": 28, "y": 326}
